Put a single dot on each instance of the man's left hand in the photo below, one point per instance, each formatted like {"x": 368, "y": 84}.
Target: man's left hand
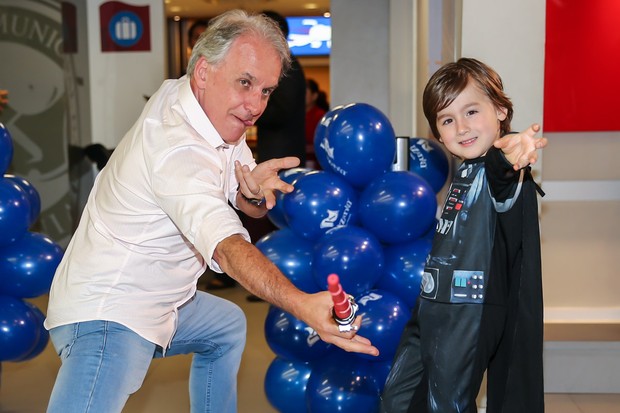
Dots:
{"x": 263, "y": 181}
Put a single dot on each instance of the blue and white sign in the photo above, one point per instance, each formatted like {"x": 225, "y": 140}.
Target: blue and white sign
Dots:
{"x": 125, "y": 29}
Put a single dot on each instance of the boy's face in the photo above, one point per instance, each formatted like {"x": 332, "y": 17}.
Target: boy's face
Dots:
{"x": 470, "y": 124}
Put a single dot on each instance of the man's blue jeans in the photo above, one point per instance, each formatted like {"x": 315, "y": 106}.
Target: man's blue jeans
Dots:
{"x": 103, "y": 362}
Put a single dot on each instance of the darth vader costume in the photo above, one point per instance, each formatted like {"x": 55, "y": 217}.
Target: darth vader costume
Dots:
{"x": 480, "y": 308}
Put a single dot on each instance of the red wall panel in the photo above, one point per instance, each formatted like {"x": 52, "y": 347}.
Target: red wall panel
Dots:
{"x": 582, "y": 66}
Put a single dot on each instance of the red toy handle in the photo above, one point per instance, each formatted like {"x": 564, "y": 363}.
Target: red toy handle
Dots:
{"x": 342, "y": 304}
{"x": 345, "y": 308}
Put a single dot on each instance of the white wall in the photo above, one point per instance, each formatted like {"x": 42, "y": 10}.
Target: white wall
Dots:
{"x": 120, "y": 80}
{"x": 359, "y": 69}
{"x": 581, "y": 228}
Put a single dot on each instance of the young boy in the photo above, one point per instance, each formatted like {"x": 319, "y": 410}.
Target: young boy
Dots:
{"x": 481, "y": 302}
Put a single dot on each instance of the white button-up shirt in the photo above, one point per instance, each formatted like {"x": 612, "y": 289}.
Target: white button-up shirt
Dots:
{"x": 152, "y": 221}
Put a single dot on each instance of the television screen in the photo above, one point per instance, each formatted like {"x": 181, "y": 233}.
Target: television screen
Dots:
{"x": 309, "y": 36}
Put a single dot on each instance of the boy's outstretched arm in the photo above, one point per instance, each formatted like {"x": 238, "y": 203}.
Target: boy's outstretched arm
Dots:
{"x": 520, "y": 149}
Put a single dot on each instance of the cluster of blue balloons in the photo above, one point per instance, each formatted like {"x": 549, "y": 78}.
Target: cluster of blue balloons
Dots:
{"x": 370, "y": 225}
{"x": 28, "y": 261}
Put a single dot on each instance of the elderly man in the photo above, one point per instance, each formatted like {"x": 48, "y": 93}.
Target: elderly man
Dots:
{"x": 158, "y": 214}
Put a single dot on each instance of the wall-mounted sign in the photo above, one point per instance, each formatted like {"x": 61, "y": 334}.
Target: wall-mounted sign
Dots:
{"x": 124, "y": 28}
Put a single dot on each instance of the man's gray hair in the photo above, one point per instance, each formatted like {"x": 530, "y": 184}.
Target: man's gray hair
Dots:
{"x": 224, "y": 29}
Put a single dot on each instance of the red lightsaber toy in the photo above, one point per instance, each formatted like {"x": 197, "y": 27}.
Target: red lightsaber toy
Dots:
{"x": 345, "y": 308}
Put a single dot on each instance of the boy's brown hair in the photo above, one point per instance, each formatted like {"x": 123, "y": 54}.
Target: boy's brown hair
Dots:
{"x": 452, "y": 78}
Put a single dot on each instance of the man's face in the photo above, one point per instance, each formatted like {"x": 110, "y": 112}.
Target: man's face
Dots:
{"x": 234, "y": 93}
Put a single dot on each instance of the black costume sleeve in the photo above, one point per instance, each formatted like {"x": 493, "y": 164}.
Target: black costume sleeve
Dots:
{"x": 515, "y": 375}
{"x": 500, "y": 175}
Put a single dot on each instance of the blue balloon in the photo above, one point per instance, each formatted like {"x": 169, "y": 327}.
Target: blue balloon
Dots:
{"x": 321, "y": 201}
{"x": 291, "y": 338}
{"x": 33, "y": 195}
{"x": 404, "y": 266}
{"x": 6, "y": 149}
{"x": 342, "y": 382}
{"x": 27, "y": 266}
{"x": 44, "y": 335}
{"x": 381, "y": 370}
{"x": 398, "y": 206}
{"x": 285, "y": 385}
{"x": 320, "y": 133}
{"x": 292, "y": 255}
{"x": 359, "y": 144}
{"x": 352, "y": 253}
{"x": 14, "y": 212}
{"x": 19, "y": 329}
{"x": 384, "y": 316}
{"x": 428, "y": 159}
{"x": 276, "y": 214}
{"x": 430, "y": 233}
